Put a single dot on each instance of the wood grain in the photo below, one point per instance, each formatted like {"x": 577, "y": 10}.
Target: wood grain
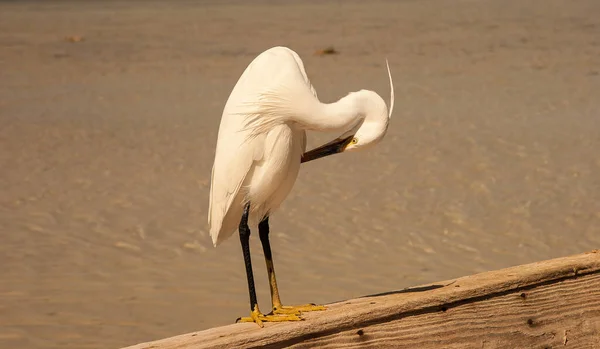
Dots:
{"x": 549, "y": 304}
{"x": 539, "y": 317}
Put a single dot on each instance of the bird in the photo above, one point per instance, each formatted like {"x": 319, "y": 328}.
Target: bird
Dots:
{"x": 261, "y": 144}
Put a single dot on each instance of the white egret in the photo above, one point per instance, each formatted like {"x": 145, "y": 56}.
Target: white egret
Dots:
{"x": 261, "y": 144}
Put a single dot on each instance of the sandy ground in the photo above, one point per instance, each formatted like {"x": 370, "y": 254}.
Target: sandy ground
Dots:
{"x": 491, "y": 159}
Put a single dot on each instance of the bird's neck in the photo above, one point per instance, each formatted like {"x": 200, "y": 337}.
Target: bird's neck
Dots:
{"x": 311, "y": 114}
{"x": 348, "y": 111}
{"x": 340, "y": 115}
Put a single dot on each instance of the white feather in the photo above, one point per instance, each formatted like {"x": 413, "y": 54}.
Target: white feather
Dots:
{"x": 262, "y": 136}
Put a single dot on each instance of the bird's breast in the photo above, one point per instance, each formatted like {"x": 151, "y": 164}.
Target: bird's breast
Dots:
{"x": 275, "y": 173}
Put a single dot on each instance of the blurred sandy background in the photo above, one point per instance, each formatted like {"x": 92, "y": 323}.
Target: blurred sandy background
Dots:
{"x": 106, "y": 145}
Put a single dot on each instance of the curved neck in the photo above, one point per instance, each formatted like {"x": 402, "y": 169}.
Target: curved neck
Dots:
{"x": 303, "y": 108}
{"x": 343, "y": 114}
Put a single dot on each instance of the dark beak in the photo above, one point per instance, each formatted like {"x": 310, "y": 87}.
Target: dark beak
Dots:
{"x": 336, "y": 146}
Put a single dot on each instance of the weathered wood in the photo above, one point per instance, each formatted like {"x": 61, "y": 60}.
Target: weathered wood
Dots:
{"x": 549, "y": 304}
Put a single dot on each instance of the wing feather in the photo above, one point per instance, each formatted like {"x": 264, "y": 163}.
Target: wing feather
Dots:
{"x": 238, "y": 146}
{"x": 233, "y": 163}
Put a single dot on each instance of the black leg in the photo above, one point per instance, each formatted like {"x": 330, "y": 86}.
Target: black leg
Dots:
{"x": 255, "y": 314}
{"x": 263, "y": 231}
{"x": 245, "y": 240}
{"x": 278, "y": 308}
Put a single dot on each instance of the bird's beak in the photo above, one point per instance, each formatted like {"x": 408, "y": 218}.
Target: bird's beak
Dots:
{"x": 336, "y": 146}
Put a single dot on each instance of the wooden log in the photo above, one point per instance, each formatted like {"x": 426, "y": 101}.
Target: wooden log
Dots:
{"x": 549, "y": 304}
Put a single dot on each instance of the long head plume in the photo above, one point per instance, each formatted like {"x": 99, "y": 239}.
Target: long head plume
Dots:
{"x": 391, "y": 89}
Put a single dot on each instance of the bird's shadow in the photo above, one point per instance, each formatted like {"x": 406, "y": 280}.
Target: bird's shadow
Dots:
{"x": 408, "y": 290}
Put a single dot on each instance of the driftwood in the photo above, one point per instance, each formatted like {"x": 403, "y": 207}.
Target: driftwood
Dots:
{"x": 549, "y": 304}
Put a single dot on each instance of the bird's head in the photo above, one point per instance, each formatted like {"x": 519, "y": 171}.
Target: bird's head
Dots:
{"x": 374, "y": 118}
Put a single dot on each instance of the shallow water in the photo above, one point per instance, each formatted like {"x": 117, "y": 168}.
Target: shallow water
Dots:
{"x": 107, "y": 145}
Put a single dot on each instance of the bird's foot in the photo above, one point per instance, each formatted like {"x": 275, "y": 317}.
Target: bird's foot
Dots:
{"x": 297, "y": 309}
{"x": 257, "y": 317}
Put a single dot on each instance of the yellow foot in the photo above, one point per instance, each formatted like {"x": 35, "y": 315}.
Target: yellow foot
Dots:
{"x": 297, "y": 309}
{"x": 258, "y": 317}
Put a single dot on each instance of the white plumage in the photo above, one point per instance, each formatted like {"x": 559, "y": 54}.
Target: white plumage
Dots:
{"x": 261, "y": 145}
{"x": 262, "y": 136}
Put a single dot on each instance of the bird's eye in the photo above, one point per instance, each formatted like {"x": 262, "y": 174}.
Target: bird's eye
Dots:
{"x": 354, "y": 141}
